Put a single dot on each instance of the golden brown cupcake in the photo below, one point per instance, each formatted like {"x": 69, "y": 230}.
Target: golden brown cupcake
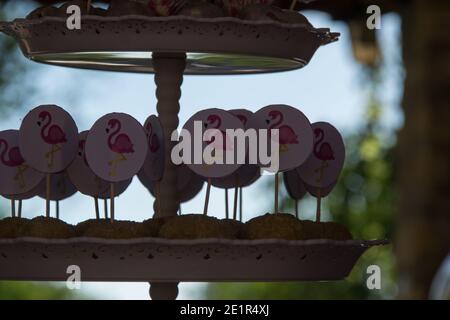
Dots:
{"x": 43, "y": 12}
{"x": 13, "y": 227}
{"x": 127, "y": 7}
{"x": 104, "y": 228}
{"x": 50, "y": 228}
{"x": 231, "y": 228}
{"x": 335, "y": 231}
{"x": 311, "y": 230}
{"x": 273, "y": 226}
{"x": 201, "y": 9}
{"x": 153, "y": 226}
{"x": 192, "y": 226}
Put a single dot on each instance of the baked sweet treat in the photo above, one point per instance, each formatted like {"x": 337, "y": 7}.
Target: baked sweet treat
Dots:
{"x": 43, "y": 12}
{"x": 192, "y": 226}
{"x": 311, "y": 230}
{"x": 154, "y": 225}
{"x": 260, "y": 12}
{"x": 335, "y": 231}
{"x": 104, "y": 228}
{"x": 325, "y": 230}
{"x": 232, "y": 229}
{"x": 273, "y": 226}
{"x": 13, "y": 227}
{"x": 128, "y": 7}
{"x": 50, "y": 228}
{"x": 201, "y": 9}
{"x": 164, "y": 8}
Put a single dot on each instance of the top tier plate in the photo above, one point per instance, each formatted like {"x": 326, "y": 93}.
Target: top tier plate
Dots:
{"x": 213, "y": 46}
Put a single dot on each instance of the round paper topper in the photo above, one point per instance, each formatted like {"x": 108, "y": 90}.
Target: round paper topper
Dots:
{"x": 16, "y": 176}
{"x": 295, "y": 134}
{"x": 324, "y": 191}
{"x": 48, "y": 139}
{"x": 119, "y": 188}
{"x": 81, "y": 175}
{"x": 325, "y": 162}
{"x": 116, "y": 147}
{"x": 60, "y": 187}
{"x": 294, "y": 185}
{"x": 27, "y": 195}
{"x": 154, "y": 163}
{"x": 247, "y": 173}
{"x": 189, "y": 184}
{"x": 217, "y": 150}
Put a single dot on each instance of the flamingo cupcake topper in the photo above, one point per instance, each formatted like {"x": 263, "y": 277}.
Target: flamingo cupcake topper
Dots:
{"x": 84, "y": 179}
{"x": 216, "y": 147}
{"x": 245, "y": 175}
{"x": 325, "y": 162}
{"x": 321, "y": 171}
{"x": 295, "y": 136}
{"x": 116, "y": 148}
{"x": 48, "y": 140}
{"x": 17, "y": 177}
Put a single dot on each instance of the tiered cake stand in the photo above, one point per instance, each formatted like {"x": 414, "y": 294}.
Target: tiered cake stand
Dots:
{"x": 170, "y": 47}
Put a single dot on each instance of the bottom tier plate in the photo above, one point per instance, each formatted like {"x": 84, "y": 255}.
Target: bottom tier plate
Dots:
{"x": 203, "y": 260}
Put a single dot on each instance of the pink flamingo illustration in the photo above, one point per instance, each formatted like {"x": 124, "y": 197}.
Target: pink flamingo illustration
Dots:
{"x": 216, "y": 122}
{"x": 52, "y": 134}
{"x": 121, "y": 145}
{"x": 15, "y": 160}
{"x": 286, "y": 133}
{"x": 153, "y": 142}
{"x": 322, "y": 151}
{"x": 242, "y": 118}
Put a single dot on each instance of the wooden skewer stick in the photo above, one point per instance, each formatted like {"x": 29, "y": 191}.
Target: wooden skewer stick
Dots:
{"x": 20, "y": 209}
{"x": 158, "y": 198}
{"x": 293, "y": 3}
{"x": 112, "y": 202}
{"x": 208, "y": 191}
{"x": 240, "y": 204}
{"x": 57, "y": 209}
{"x": 319, "y": 198}
{"x": 97, "y": 210}
{"x": 276, "y": 192}
{"x": 13, "y": 208}
{"x": 226, "y": 204}
{"x": 235, "y": 204}
{"x": 47, "y": 195}
{"x": 105, "y": 207}
{"x": 296, "y": 208}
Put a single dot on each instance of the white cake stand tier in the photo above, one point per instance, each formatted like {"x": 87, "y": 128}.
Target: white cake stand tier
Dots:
{"x": 213, "y": 46}
{"x": 162, "y": 260}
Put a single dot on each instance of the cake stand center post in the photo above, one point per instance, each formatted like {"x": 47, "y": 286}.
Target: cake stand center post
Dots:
{"x": 169, "y": 68}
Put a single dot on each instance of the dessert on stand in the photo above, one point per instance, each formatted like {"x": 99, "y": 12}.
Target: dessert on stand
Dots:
{"x": 170, "y": 39}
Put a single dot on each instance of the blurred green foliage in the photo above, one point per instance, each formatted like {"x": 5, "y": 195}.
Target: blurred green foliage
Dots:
{"x": 363, "y": 200}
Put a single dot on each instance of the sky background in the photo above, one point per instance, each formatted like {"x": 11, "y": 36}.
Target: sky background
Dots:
{"x": 331, "y": 88}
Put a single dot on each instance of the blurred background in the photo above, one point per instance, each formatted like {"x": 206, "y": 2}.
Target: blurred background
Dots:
{"x": 386, "y": 91}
